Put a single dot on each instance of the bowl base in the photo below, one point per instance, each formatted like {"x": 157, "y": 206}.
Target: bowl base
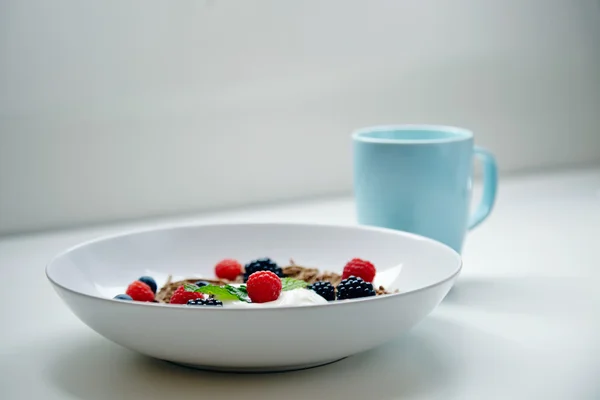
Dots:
{"x": 257, "y": 370}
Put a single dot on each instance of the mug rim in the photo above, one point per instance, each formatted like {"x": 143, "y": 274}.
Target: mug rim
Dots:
{"x": 459, "y": 134}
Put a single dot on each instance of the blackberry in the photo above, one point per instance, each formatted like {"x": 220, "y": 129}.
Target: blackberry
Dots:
{"x": 148, "y": 280}
{"x": 262, "y": 264}
{"x": 205, "y": 302}
{"x": 324, "y": 289}
{"x": 354, "y": 288}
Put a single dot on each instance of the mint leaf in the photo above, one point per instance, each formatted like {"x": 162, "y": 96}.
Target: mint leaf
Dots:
{"x": 222, "y": 293}
{"x": 219, "y": 292}
{"x": 291, "y": 284}
{"x": 190, "y": 287}
{"x": 240, "y": 292}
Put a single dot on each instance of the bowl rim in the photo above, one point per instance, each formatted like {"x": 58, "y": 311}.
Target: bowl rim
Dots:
{"x": 163, "y": 228}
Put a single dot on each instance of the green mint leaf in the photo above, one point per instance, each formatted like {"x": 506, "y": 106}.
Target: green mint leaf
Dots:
{"x": 291, "y": 284}
{"x": 190, "y": 287}
{"x": 219, "y": 292}
{"x": 240, "y": 292}
{"x": 222, "y": 293}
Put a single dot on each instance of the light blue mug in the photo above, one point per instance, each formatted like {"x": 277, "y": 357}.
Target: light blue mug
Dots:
{"x": 418, "y": 178}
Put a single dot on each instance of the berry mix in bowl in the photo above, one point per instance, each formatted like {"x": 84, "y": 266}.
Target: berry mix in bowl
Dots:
{"x": 261, "y": 282}
{"x": 164, "y": 293}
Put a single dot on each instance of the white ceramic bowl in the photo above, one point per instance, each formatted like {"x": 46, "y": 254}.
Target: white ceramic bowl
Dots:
{"x": 87, "y": 277}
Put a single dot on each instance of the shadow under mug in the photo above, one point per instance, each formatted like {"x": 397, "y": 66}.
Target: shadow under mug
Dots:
{"x": 418, "y": 178}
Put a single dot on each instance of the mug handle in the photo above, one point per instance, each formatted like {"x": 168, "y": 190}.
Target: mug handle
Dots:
{"x": 490, "y": 185}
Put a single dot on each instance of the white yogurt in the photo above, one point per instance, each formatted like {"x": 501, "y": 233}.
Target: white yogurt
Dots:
{"x": 296, "y": 297}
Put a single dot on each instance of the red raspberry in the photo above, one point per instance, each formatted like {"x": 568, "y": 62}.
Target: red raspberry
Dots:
{"x": 228, "y": 269}
{"x": 263, "y": 286}
{"x": 139, "y": 291}
{"x": 181, "y": 296}
{"x": 359, "y": 268}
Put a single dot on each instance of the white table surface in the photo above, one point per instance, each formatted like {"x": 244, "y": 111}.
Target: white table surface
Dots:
{"x": 519, "y": 324}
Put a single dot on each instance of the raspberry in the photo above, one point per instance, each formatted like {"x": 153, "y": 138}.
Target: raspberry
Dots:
{"x": 182, "y": 296}
{"x": 354, "y": 288}
{"x": 139, "y": 291}
{"x": 228, "y": 269}
{"x": 263, "y": 286}
{"x": 360, "y": 268}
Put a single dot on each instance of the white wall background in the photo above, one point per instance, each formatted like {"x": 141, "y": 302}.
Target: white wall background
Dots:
{"x": 121, "y": 109}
